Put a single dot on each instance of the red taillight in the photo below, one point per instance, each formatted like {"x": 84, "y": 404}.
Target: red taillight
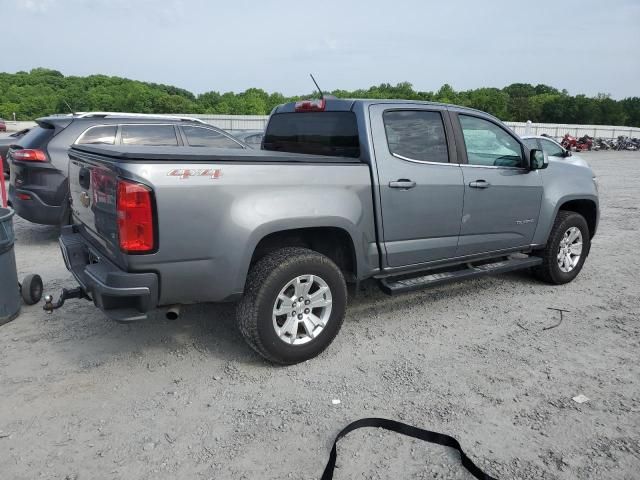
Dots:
{"x": 29, "y": 155}
{"x": 310, "y": 105}
{"x": 3, "y": 191}
{"x": 135, "y": 218}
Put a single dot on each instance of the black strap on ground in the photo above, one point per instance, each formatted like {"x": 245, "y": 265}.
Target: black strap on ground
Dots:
{"x": 404, "y": 429}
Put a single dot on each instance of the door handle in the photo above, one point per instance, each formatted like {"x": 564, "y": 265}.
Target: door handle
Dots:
{"x": 402, "y": 183}
{"x": 480, "y": 184}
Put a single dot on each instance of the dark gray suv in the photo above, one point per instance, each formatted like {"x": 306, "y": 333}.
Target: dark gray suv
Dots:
{"x": 38, "y": 188}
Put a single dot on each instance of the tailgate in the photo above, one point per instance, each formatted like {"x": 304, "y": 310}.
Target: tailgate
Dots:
{"x": 93, "y": 193}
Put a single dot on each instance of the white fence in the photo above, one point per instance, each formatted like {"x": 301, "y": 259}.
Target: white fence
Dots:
{"x": 557, "y": 130}
{"x": 233, "y": 122}
{"x": 15, "y": 126}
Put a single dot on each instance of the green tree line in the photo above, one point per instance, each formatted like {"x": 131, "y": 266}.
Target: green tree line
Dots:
{"x": 43, "y": 92}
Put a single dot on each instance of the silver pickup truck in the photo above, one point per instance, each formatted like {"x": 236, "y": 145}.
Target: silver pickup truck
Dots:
{"x": 408, "y": 194}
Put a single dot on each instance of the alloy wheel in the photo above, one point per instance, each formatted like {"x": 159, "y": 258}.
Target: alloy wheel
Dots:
{"x": 570, "y": 249}
{"x": 302, "y": 309}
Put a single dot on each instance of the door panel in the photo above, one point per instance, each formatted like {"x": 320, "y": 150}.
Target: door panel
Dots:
{"x": 502, "y": 196}
{"x": 502, "y": 215}
{"x": 421, "y": 200}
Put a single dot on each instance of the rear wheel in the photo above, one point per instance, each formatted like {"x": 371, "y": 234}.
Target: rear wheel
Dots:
{"x": 566, "y": 250}
{"x": 293, "y": 306}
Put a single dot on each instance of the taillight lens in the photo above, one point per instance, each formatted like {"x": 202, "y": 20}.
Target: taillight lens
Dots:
{"x": 311, "y": 105}
{"x": 135, "y": 217}
{"x": 29, "y": 155}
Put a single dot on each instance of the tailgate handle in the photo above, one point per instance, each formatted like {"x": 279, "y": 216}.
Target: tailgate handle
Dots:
{"x": 84, "y": 178}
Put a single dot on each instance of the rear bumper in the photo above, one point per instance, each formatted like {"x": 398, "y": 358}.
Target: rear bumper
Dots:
{"x": 34, "y": 209}
{"x": 122, "y": 296}
{"x": 46, "y": 187}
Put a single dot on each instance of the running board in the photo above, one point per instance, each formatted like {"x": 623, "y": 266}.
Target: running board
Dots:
{"x": 393, "y": 286}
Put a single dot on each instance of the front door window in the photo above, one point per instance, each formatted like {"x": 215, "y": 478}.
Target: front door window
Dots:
{"x": 489, "y": 145}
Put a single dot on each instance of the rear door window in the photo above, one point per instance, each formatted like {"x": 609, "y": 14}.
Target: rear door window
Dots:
{"x": 316, "y": 133}
{"x": 416, "y": 135}
{"x": 98, "y": 135}
{"x": 154, "y": 135}
{"x": 208, "y": 137}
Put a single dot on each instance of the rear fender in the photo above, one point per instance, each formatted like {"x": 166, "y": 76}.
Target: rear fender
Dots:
{"x": 337, "y": 208}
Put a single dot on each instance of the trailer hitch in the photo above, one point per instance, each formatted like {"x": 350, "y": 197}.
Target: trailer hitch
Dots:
{"x": 77, "y": 292}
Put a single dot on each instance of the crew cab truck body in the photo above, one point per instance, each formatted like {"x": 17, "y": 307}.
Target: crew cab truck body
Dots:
{"x": 411, "y": 194}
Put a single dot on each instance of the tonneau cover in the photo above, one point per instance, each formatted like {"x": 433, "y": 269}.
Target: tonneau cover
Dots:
{"x": 127, "y": 153}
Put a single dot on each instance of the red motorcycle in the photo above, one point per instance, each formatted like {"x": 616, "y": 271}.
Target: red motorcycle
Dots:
{"x": 569, "y": 142}
{"x": 578, "y": 144}
{"x": 584, "y": 143}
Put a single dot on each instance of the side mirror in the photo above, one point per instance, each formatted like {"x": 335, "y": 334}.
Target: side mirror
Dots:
{"x": 538, "y": 159}
{"x": 567, "y": 153}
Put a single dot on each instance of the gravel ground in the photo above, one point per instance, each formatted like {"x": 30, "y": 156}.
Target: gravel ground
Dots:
{"x": 85, "y": 398}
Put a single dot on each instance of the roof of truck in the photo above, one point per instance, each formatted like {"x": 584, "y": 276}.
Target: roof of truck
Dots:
{"x": 346, "y": 104}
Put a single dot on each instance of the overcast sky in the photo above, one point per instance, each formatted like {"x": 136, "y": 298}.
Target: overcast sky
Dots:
{"x": 584, "y": 46}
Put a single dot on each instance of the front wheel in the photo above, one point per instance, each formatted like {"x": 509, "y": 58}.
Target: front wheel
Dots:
{"x": 293, "y": 306}
{"x": 566, "y": 250}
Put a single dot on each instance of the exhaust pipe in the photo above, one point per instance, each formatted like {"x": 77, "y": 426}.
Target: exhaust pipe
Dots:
{"x": 173, "y": 313}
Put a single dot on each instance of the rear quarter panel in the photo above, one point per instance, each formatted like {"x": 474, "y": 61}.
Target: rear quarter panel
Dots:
{"x": 209, "y": 225}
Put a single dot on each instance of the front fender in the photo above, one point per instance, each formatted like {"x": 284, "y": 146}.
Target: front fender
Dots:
{"x": 563, "y": 182}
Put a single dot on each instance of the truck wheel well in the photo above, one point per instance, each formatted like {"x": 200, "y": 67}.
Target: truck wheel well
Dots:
{"x": 333, "y": 242}
{"x": 587, "y": 209}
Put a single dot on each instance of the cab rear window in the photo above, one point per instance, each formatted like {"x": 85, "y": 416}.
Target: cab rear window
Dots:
{"x": 315, "y": 133}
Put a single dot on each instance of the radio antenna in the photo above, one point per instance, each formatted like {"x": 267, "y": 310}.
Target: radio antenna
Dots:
{"x": 70, "y": 109}
{"x": 317, "y": 86}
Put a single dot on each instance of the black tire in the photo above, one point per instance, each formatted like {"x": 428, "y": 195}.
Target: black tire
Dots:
{"x": 550, "y": 271}
{"x": 31, "y": 289}
{"x": 265, "y": 281}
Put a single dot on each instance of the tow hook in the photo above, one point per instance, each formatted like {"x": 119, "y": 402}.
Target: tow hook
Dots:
{"x": 77, "y": 292}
